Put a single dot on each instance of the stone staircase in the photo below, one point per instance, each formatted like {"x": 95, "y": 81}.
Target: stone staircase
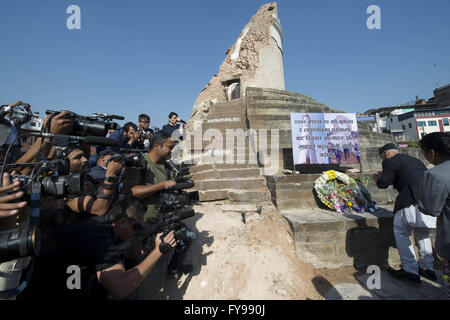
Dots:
{"x": 228, "y": 170}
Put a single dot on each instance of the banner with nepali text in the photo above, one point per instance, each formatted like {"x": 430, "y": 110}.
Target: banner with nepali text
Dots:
{"x": 325, "y": 138}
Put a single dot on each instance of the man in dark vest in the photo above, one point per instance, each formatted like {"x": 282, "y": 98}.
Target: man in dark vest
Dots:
{"x": 405, "y": 174}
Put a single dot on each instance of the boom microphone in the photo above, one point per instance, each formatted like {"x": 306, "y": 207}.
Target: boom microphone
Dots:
{"x": 173, "y": 166}
{"x": 181, "y": 215}
{"x": 100, "y": 141}
{"x": 110, "y": 116}
{"x": 182, "y": 185}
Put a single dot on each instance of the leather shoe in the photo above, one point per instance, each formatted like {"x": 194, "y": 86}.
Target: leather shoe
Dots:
{"x": 402, "y": 274}
{"x": 429, "y": 274}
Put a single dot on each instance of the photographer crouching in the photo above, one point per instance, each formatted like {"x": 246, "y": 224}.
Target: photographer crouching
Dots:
{"x": 148, "y": 185}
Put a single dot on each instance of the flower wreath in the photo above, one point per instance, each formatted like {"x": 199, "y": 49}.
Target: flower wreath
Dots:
{"x": 342, "y": 193}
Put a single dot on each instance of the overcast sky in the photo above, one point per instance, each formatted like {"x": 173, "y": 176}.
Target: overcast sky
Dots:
{"x": 137, "y": 56}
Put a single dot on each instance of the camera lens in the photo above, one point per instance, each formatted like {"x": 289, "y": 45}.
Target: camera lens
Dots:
{"x": 19, "y": 243}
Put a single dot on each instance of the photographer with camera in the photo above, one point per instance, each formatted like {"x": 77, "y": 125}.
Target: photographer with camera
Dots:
{"x": 42, "y": 148}
{"x": 98, "y": 172}
{"x": 175, "y": 124}
{"x": 145, "y": 132}
{"x": 95, "y": 200}
{"x": 148, "y": 186}
{"x": 15, "y": 123}
{"x": 127, "y": 136}
{"x": 10, "y": 271}
{"x": 98, "y": 247}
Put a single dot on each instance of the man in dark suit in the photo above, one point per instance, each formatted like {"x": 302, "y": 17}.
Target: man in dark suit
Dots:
{"x": 405, "y": 174}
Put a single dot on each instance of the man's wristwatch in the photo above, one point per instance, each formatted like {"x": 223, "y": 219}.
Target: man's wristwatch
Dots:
{"x": 111, "y": 179}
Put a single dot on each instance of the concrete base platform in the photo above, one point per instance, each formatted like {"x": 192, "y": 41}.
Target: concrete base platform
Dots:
{"x": 327, "y": 239}
{"x": 389, "y": 288}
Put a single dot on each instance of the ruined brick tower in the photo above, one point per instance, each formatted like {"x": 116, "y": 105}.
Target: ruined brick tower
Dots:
{"x": 255, "y": 60}
{"x": 241, "y": 119}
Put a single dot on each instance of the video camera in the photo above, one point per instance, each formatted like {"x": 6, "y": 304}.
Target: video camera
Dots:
{"x": 95, "y": 125}
{"x": 57, "y": 186}
{"x": 175, "y": 206}
{"x": 166, "y": 224}
{"x": 25, "y": 242}
{"x": 174, "y": 198}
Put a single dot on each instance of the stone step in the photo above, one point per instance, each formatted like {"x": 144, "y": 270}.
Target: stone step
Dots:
{"x": 227, "y": 113}
{"x": 289, "y": 189}
{"x": 296, "y": 178}
{"x": 226, "y": 174}
{"x": 284, "y": 204}
{"x": 212, "y": 195}
{"x": 236, "y": 196}
{"x": 237, "y": 183}
{"x": 226, "y": 119}
{"x": 220, "y": 166}
{"x": 258, "y": 106}
{"x": 327, "y": 239}
{"x": 222, "y": 127}
{"x": 236, "y": 149}
{"x": 250, "y": 196}
{"x": 236, "y": 103}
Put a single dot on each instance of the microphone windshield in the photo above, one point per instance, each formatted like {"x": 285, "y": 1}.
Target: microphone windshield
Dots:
{"x": 182, "y": 214}
{"x": 183, "y": 185}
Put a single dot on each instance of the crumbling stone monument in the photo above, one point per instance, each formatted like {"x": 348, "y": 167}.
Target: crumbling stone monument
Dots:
{"x": 246, "y": 100}
{"x": 255, "y": 60}
{"x": 238, "y": 148}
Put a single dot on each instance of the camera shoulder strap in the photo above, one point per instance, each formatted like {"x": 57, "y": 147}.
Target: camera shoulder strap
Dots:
{"x": 15, "y": 291}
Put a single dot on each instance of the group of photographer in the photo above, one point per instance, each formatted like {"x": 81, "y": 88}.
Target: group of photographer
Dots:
{"x": 112, "y": 221}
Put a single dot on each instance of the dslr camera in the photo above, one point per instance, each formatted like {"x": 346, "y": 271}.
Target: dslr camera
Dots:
{"x": 131, "y": 158}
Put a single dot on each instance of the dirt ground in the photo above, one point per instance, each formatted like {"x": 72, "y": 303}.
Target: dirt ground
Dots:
{"x": 256, "y": 260}
{"x": 236, "y": 260}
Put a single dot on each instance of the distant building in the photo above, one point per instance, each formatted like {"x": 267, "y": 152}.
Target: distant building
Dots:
{"x": 412, "y": 121}
{"x": 442, "y": 95}
{"x": 417, "y": 123}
